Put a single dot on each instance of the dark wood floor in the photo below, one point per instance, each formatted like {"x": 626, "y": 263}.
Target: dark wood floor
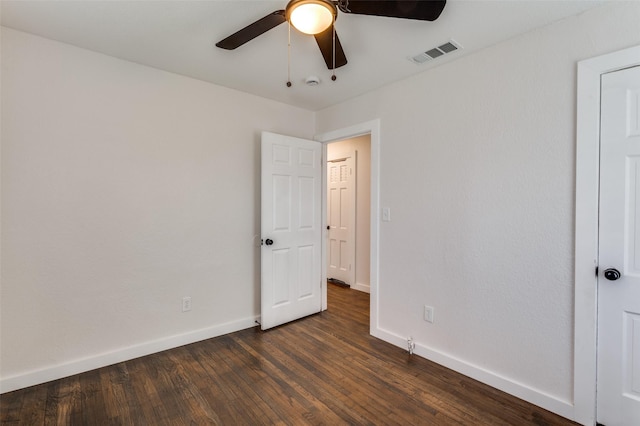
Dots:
{"x": 324, "y": 369}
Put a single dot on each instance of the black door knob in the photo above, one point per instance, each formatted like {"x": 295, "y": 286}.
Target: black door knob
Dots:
{"x": 268, "y": 242}
{"x": 612, "y": 274}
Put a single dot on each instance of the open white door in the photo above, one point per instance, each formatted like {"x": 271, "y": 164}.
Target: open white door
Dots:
{"x": 618, "y": 384}
{"x": 291, "y": 229}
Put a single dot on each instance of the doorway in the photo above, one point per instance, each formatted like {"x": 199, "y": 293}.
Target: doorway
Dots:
{"x": 282, "y": 155}
{"x": 349, "y": 212}
{"x": 371, "y": 128}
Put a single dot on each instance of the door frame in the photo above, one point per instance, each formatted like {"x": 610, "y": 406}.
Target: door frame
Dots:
{"x": 371, "y": 128}
{"x": 586, "y": 226}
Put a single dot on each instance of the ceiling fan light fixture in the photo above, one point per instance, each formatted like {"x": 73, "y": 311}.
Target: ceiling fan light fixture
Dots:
{"x": 311, "y": 16}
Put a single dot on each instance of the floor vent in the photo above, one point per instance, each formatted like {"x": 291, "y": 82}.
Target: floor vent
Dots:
{"x": 436, "y": 52}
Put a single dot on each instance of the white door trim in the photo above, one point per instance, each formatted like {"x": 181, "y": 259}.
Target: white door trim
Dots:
{"x": 372, "y": 128}
{"x": 586, "y": 223}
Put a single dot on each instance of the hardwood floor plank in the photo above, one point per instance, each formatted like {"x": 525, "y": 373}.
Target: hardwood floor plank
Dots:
{"x": 211, "y": 384}
{"x": 323, "y": 364}
{"x": 264, "y": 380}
{"x": 244, "y": 402}
{"x": 125, "y": 406}
{"x": 171, "y": 390}
{"x": 146, "y": 403}
{"x": 52, "y": 401}
{"x": 93, "y": 404}
{"x": 345, "y": 368}
{"x": 198, "y": 409}
{"x": 284, "y": 369}
{"x": 321, "y": 370}
{"x": 69, "y": 401}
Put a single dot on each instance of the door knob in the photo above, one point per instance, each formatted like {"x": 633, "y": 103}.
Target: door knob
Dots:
{"x": 268, "y": 242}
{"x": 612, "y": 274}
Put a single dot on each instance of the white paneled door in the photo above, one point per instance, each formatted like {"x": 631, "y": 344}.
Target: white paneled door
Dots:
{"x": 291, "y": 229}
{"x": 341, "y": 219}
{"x": 618, "y": 385}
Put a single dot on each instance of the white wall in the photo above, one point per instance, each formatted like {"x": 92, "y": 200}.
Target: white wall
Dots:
{"x": 124, "y": 188}
{"x": 362, "y": 146}
{"x": 477, "y": 166}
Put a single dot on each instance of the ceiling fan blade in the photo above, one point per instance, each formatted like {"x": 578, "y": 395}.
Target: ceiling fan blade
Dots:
{"x": 325, "y": 43}
{"x": 424, "y": 10}
{"x": 252, "y": 31}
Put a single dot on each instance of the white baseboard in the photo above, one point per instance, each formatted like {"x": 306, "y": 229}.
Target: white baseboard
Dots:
{"x": 44, "y": 375}
{"x": 519, "y": 390}
{"x": 362, "y": 287}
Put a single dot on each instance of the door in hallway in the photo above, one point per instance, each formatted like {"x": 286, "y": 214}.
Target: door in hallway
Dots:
{"x": 341, "y": 219}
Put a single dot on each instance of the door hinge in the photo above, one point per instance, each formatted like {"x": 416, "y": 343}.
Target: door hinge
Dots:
{"x": 596, "y": 271}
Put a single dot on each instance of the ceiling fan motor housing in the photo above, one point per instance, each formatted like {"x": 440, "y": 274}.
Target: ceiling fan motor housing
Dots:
{"x": 293, "y": 4}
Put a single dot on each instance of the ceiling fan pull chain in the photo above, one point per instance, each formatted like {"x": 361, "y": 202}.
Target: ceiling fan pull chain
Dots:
{"x": 333, "y": 76}
{"x": 289, "y": 57}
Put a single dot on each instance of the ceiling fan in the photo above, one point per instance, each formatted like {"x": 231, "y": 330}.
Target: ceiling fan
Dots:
{"x": 316, "y": 17}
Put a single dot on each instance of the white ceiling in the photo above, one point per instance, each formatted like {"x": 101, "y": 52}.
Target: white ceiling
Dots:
{"x": 179, "y": 36}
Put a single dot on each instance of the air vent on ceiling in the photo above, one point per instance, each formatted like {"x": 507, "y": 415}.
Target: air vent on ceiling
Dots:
{"x": 436, "y": 52}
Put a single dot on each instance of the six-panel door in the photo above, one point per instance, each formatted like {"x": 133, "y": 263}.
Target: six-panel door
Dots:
{"x": 292, "y": 222}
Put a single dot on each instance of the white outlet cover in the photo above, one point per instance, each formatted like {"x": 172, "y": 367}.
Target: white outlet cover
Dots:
{"x": 186, "y": 304}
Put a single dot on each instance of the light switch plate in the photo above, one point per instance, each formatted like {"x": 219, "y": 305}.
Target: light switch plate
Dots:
{"x": 386, "y": 214}
{"x": 428, "y": 313}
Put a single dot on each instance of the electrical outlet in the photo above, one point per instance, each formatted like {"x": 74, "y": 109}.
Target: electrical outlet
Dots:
{"x": 428, "y": 313}
{"x": 186, "y": 303}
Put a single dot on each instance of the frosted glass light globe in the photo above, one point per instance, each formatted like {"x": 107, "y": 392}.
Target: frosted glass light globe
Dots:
{"x": 311, "y": 18}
